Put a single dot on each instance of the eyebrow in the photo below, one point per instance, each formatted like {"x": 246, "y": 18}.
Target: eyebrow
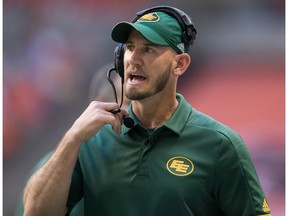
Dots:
{"x": 145, "y": 44}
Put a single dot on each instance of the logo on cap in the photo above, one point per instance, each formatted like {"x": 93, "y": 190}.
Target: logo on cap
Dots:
{"x": 180, "y": 166}
{"x": 181, "y": 46}
{"x": 151, "y": 17}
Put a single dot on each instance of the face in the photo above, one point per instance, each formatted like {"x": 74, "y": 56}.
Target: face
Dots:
{"x": 148, "y": 67}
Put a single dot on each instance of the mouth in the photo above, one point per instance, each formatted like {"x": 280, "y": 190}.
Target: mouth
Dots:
{"x": 136, "y": 78}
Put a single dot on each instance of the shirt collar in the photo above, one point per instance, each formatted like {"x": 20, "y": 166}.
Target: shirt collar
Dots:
{"x": 177, "y": 121}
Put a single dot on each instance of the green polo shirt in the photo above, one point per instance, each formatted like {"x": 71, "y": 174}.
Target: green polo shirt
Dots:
{"x": 192, "y": 165}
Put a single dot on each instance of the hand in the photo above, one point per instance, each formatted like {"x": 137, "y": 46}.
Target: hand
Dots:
{"x": 95, "y": 117}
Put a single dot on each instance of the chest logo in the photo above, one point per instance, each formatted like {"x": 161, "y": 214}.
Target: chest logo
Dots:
{"x": 180, "y": 166}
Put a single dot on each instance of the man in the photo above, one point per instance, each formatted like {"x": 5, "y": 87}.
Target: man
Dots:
{"x": 173, "y": 161}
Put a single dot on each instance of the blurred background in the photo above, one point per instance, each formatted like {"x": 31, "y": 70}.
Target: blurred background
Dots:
{"x": 52, "y": 50}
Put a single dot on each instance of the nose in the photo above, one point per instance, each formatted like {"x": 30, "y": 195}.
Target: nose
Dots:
{"x": 133, "y": 57}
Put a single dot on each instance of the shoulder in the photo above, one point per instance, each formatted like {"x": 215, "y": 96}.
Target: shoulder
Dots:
{"x": 212, "y": 126}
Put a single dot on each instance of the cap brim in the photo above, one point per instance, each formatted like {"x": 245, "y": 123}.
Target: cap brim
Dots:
{"x": 122, "y": 30}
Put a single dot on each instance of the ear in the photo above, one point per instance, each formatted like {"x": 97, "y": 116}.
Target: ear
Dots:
{"x": 182, "y": 63}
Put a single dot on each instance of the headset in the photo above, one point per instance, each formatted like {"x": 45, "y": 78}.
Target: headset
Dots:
{"x": 184, "y": 20}
{"x": 188, "y": 36}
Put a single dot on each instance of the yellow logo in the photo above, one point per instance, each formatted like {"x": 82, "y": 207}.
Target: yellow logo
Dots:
{"x": 151, "y": 17}
{"x": 265, "y": 206}
{"x": 180, "y": 166}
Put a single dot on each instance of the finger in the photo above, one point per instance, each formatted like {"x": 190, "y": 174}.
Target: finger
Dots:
{"x": 114, "y": 111}
{"x": 117, "y": 123}
{"x": 104, "y": 105}
{"x": 124, "y": 112}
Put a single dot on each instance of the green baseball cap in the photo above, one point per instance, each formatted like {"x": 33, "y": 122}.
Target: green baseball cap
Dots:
{"x": 157, "y": 27}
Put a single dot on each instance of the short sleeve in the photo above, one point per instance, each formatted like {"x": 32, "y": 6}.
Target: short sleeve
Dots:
{"x": 237, "y": 188}
{"x": 76, "y": 188}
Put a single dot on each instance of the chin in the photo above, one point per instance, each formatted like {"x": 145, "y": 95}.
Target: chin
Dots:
{"x": 137, "y": 95}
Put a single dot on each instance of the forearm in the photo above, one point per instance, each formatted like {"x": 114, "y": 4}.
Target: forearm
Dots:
{"x": 47, "y": 190}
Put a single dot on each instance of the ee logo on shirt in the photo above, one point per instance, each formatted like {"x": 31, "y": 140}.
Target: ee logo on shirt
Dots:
{"x": 180, "y": 166}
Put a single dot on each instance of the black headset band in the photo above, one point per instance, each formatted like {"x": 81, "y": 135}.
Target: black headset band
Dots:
{"x": 183, "y": 19}
{"x": 165, "y": 9}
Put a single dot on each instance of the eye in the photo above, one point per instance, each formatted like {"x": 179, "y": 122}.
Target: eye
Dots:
{"x": 148, "y": 49}
{"x": 129, "y": 47}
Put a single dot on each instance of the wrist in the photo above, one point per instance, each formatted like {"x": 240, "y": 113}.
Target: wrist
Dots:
{"x": 73, "y": 138}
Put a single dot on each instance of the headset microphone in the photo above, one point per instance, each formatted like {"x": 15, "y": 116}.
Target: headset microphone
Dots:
{"x": 127, "y": 121}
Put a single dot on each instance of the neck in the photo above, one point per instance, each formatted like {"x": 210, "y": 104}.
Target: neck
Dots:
{"x": 155, "y": 111}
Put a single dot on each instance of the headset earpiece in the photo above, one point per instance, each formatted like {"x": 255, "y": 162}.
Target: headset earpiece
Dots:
{"x": 119, "y": 60}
